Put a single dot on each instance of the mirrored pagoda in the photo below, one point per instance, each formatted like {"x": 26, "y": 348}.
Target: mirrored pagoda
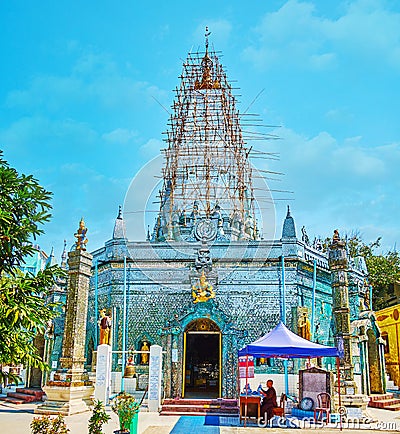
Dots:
{"x": 205, "y": 282}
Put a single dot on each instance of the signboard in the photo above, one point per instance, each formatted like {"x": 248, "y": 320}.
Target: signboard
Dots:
{"x": 246, "y": 366}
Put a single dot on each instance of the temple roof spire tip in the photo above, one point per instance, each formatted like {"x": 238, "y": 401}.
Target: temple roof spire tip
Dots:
{"x": 206, "y": 35}
{"x": 289, "y": 227}
{"x": 119, "y": 226}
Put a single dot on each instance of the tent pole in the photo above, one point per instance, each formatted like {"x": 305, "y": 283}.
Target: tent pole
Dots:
{"x": 245, "y": 387}
{"x": 314, "y": 286}
{"x": 340, "y": 399}
{"x": 283, "y": 301}
{"x": 285, "y": 367}
{"x": 283, "y": 319}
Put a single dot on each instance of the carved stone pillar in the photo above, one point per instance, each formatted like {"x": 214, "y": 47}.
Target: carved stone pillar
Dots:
{"x": 338, "y": 265}
{"x": 73, "y": 351}
{"x": 71, "y": 392}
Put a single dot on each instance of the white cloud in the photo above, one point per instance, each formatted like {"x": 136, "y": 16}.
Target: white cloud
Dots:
{"x": 296, "y": 35}
{"x": 338, "y": 183}
{"x": 94, "y": 79}
{"x": 120, "y": 136}
{"x": 152, "y": 148}
{"x": 40, "y": 132}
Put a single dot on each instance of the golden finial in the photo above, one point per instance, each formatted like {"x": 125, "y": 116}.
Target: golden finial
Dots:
{"x": 80, "y": 235}
{"x": 207, "y": 34}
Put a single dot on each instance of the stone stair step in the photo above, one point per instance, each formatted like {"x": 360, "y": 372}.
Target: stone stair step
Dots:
{"x": 206, "y": 409}
{"x": 381, "y": 397}
{"x": 395, "y": 407}
{"x": 175, "y": 413}
{"x": 199, "y": 402}
{"x": 215, "y": 407}
{"x": 384, "y": 402}
{"x": 38, "y": 393}
{"x": 22, "y": 396}
{"x": 12, "y": 400}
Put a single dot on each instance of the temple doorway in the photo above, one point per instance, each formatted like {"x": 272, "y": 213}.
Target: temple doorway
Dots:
{"x": 202, "y": 360}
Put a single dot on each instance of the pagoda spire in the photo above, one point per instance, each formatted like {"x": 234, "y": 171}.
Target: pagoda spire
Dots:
{"x": 64, "y": 256}
{"x": 207, "y": 190}
{"x": 119, "y": 226}
{"x": 206, "y": 35}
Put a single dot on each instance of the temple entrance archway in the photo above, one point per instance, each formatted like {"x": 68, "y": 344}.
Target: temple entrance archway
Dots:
{"x": 202, "y": 367}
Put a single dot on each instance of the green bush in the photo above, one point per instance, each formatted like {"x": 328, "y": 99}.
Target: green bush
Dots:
{"x": 125, "y": 406}
{"x": 99, "y": 417}
{"x": 46, "y": 425}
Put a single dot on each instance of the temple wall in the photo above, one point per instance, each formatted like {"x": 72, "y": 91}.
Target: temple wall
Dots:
{"x": 388, "y": 320}
{"x": 247, "y": 278}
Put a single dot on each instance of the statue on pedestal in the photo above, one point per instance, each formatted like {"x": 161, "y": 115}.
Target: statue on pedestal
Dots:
{"x": 80, "y": 235}
{"x": 304, "y": 326}
{"x": 105, "y": 327}
{"x": 144, "y": 357}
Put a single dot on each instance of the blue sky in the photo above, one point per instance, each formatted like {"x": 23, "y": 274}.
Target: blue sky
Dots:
{"x": 82, "y": 85}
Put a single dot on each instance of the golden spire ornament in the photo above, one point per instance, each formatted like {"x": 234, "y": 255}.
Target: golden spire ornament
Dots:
{"x": 80, "y": 235}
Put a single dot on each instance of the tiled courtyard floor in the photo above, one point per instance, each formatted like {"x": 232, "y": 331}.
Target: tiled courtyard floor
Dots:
{"x": 16, "y": 419}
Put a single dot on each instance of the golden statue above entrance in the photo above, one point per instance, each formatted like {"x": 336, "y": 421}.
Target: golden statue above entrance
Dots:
{"x": 203, "y": 291}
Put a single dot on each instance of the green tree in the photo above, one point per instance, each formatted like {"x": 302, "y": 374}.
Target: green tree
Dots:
{"x": 24, "y": 207}
{"x": 383, "y": 269}
{"x": 24, "y": 309}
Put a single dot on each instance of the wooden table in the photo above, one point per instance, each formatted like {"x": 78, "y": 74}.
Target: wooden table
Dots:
{"x": 253, "y": 406}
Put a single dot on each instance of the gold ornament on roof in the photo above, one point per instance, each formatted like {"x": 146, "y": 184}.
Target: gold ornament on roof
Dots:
{"x": 207, "y": 81}
{"x": 80, "y": 235}
{"x": 203, "y": 291}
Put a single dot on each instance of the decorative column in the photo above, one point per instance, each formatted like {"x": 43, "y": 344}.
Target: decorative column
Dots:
{"x": 70, "y": 392}
{"x": 338, "y": 265}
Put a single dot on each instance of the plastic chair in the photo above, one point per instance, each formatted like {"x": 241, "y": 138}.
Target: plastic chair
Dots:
{"x": 323, "y": 407}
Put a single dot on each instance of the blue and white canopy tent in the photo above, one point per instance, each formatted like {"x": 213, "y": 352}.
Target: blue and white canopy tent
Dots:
{"x": 280, "y": 342}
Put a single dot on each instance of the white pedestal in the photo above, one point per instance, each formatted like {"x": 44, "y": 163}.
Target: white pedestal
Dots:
{"x": 155, "y": 372}
{"x": 103, "y": 373}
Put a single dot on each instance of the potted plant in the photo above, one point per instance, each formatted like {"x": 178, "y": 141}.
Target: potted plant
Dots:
{"x": 99, "y": 417}
{"x": 127, "y": 409}
{"x": 46, "y": 425}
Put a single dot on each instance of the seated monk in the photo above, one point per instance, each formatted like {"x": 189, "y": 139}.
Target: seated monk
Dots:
{"x": 268, "y": 402}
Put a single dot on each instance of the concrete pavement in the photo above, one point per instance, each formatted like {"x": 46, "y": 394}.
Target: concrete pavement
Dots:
{"x": 15, "y": 419}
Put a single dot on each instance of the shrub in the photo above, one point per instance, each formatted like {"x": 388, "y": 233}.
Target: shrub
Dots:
{"x": 99, "y": 417}
{"x": 125, "y": 406}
